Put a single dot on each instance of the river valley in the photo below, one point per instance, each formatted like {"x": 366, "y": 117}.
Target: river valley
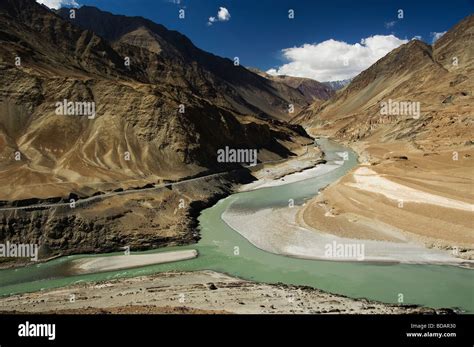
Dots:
{"x": 223, "y": 249}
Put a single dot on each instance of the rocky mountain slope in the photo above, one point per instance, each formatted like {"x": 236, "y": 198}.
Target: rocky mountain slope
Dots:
{"x": 159, "y": 55}
{"x": 162, "y": 117}
{"x": 410, "y": 118}
{"x": 439, "y": 78}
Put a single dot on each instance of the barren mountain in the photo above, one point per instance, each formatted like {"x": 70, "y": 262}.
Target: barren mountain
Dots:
{"x": 162, "y": 117}
{"x": 168, "y": 57}
{"x": 439, "y": 78}
{"x": 410, "y": 118}
{"x": 311, "y": 89}
{"x": 337, "y": 85}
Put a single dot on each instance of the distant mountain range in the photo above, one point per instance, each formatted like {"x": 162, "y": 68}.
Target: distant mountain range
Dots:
{"x": 336, "y": 85}
{"x": 311, "y": 89}
{"x": 160, "y": 55}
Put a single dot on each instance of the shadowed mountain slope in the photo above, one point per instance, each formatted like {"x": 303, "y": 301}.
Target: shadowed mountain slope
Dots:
{"x": 169, "y": 57}
{"x": 145, "y": 129}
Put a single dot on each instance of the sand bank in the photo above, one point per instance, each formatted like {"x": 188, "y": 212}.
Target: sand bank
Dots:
{"x": 120, "y": 262}
{"x": 351, "y": 215}
{"x": 291, "y": 178}
{"x": 306, "y": 165}
{"x": 369, "y": 180}
{"x": 281, "y": 231}
{"x": 423, "y": 198}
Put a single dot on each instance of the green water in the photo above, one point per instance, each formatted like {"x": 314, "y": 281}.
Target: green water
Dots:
{"x": 430, "y": 285}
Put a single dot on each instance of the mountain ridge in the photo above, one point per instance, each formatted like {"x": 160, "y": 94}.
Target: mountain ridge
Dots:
{"x": 234, "y": 86}
{"x": 136, "y": 118}
{"x": 410, "y": 73}
{"x": 312, "y": 90}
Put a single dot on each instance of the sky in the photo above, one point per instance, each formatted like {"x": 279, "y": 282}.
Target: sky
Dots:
{"x": 324, "y": 40}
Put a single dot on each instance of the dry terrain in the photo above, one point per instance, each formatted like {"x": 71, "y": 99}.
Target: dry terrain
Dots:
{"x": 404, "y": 196}
{"x": 194, "y": 292}
{"x": 415, "y": 183}
{"x": 142, "y": 219}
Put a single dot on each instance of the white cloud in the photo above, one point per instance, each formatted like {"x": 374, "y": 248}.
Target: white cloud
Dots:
{"x": 436, "y": 36}
{"x": 223, "y": 15}
{"x": 333, "y": 60}
{"x": 417, "y": 37}
{"x": 211, "y": 20}
{"x": 58, "y": 3}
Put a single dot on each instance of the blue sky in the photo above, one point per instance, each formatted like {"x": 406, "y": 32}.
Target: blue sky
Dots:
{"x": 258, "y": 31}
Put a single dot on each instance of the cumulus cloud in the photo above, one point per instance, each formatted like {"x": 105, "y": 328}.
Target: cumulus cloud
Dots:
{"x": 223, "y": 15}
{"x": 333, "y": 60}
{"x": 436, "y": 36}
{"x": 55, "y": 4}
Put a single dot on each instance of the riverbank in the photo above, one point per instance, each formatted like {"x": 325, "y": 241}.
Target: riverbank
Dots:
{"x": 402, "y": 196}
{"x": 142, "y": 220}
{"x": 222, "y": 249}
{"x": 291, "y": 170}
{"x": 291, "y": 230}
{"x": 196, "y": 292}
{"x": 122, "y": 262}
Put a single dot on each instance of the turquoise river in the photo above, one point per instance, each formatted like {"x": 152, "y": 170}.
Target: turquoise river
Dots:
{"x": 431, "y": 285}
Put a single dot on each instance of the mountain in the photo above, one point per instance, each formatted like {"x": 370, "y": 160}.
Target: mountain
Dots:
{"x": 336, "y": 85}
{"x": 160, "y": 55}
{"x": 415, "y": 74}
{"x": 311, "y": 89}
{"x": 409, "y": 117}
{"x": 454, "y": 50}
{"x": 163, "y": 117}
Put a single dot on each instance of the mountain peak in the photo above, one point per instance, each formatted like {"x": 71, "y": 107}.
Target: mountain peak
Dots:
{"x": 414, "y": 72}
{"x": 41, "y": 37}
{"x": 168, "y": 57}
{"x": 454, "y": 50}
{"x": 311, "y": 89}
{"x": 113, "y": 26}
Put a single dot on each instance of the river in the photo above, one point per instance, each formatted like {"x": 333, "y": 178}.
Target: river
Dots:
{"x": 223, "y": 249}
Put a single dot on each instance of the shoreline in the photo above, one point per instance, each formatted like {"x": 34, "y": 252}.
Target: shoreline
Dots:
{"x": 92, "y": 265}
{"x": 305, "y": 243}
{"x": 197, "y": 292}
{"x": 286, "y": 232}
{"x": 135, "y": 303}
{"x": 422, "y": 198}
